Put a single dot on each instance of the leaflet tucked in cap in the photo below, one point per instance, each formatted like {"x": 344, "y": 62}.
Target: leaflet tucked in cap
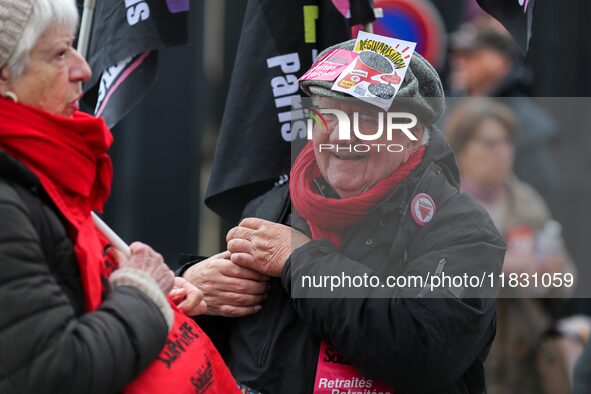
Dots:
{"x": 14, "y": 15}
{"x": 385, "y": 73}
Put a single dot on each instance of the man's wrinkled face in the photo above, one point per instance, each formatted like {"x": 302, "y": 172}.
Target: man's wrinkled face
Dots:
{"x": 350, "y": 173}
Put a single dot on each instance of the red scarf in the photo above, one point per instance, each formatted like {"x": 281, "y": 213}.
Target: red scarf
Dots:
{"x": 328, "y": 217}
{"x": 69, "y": 156}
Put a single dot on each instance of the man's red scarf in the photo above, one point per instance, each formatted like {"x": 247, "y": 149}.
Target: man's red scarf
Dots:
{"x": 329, "y": 218}
{"x": 69, "y": 156}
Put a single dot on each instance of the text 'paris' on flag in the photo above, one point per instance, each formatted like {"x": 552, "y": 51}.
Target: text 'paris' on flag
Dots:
{"x": 278, "y": 43}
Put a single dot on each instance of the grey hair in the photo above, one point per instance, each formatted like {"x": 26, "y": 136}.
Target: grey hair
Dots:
{"x": 44, "y": 15}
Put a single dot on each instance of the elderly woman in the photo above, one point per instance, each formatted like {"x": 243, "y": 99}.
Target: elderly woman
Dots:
{"x": 377, "y": 213}
{"x": 481, "y": 132}
{"x": 67, "y": 324}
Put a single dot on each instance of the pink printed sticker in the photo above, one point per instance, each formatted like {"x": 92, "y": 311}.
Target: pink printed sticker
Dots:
{"x": 330, "y": 66}
{"x": 336, "y": 375}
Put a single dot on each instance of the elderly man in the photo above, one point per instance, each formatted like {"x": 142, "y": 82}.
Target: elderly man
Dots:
{"x": 359, "y": 214}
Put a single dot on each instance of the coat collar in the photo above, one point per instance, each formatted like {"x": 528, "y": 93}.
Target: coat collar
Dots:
{"x": 12, "y": 169}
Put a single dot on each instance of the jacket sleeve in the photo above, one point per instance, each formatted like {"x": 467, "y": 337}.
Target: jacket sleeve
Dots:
{"x": 44, "y": 347}
{"x": 413, "y": 343}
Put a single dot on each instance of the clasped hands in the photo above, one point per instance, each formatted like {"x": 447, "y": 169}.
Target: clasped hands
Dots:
{"x": 233, "y": 283}
{"x": 236, "y": 282}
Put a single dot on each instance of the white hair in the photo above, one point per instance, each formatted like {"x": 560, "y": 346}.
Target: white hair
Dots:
{"x": 45, "y": 14}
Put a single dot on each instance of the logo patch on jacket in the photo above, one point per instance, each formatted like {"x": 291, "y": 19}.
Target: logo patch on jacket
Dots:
{"x": 422, "y": 209}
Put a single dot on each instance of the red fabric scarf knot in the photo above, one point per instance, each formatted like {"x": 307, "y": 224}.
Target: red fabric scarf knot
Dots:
{"x": 329, "y": 218}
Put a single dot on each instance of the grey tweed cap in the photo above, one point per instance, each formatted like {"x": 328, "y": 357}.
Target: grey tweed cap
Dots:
{"x": 421, "y": 92}
{"x": 14, "y": 15}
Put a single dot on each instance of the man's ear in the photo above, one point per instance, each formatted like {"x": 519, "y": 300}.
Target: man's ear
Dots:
{"x": 411, "y": 146}
{"x": 418, "y": 131}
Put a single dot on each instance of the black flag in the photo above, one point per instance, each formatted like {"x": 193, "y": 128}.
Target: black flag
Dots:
{"x": 361, "y": 12}
{"x": 516, "y": 15}
{"x": 126, "y": 35}
{"x": 278, "y": 42}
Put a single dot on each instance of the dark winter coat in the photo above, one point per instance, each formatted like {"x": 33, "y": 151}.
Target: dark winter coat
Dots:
{"x": 415, "y": 343}
{"x": 48, "y": 344}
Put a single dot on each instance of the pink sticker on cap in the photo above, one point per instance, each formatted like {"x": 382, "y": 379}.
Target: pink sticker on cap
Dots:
{"x": 330, "y": 66}
{"x": 422, "y": 209}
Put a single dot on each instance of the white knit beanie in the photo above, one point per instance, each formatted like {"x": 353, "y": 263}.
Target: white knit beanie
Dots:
{"x": 14, "y": 15}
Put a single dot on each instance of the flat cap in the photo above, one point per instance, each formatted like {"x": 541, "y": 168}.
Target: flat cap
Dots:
{"x": 421, "y": 92}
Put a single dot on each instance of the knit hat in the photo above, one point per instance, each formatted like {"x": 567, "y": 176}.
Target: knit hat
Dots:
{"x": 421, "y": 92}
{"x": 14, "y": 15}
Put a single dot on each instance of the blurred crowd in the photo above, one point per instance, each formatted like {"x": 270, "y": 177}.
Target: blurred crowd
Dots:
{"x": 502, "y": 141}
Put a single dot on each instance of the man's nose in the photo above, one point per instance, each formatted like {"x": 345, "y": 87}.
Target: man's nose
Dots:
{"x": 335, "y": 137}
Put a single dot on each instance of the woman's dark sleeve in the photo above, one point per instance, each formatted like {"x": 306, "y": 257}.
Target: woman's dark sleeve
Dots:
{"x": 44, "y": 347}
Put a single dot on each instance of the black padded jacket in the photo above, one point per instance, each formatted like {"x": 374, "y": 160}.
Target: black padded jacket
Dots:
{"x": 48, "y": 344}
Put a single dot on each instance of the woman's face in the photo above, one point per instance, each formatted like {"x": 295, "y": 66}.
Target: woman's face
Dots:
{"x": 488, "y": 157}
{"x": 352, "y": 173}
{"x": 52, "y": 79}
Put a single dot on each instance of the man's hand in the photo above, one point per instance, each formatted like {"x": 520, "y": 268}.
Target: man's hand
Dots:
{"x": 187, "y": 297}
{"x": 228, "y": 289}
{"x": 263, "y": 246}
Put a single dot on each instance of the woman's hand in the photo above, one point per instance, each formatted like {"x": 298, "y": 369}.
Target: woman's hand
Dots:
{"x": 187, "y": 297}
{"x": 263, "y": 246}
{"x": 144, "y": 258}
{"x": 228, "y": 289}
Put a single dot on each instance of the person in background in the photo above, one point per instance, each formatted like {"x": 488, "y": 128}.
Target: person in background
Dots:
{"x": 72, "y": 321}
{"x": 481, "y": 131}
{"x": 485, "y": 62}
